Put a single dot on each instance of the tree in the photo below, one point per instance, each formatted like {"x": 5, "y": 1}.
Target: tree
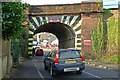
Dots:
{"x": 13, "y": 28}
{"x": 13, "y": 17}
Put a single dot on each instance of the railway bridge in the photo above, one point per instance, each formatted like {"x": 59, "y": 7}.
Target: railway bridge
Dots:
{"x": 71, "y": 23}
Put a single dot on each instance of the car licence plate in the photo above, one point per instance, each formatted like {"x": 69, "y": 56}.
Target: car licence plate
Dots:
{"x": 70, "y": 61}
{"x": 71, "y": 69}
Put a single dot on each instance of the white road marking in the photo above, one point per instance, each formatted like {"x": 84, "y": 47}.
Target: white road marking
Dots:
{"x": 40, "y": 74}
{"x": 91, "y": 74}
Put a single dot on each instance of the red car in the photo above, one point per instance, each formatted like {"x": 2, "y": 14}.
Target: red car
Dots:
{"x": 39, "y": 52}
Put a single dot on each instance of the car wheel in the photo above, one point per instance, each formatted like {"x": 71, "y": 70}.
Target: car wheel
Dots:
{"x": 45, "y": 67}
{"x": 52, "y": 73}
{"x": 79, "y": 72}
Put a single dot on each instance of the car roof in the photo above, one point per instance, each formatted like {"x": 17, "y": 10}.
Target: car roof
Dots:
{"x": 66, "y": 49}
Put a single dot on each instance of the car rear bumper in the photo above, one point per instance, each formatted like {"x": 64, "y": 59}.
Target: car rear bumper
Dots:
{"x": 39, "y": 54}
{"x": 68, "y": 68}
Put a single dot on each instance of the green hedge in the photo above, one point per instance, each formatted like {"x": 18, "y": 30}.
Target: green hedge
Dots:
{"x": 18, "y": 45}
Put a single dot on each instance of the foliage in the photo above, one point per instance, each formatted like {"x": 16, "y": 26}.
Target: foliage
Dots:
{"x": 13, "y": 18}
{"x": 17, "y": 46}
{"x": 113, "y": 35}
{"x": 106, "y": 11}
{"x": 95, "y": 41}
{"x": 105, "y": 39}
{"x": 100, "y": 3}
{"x": 16, "y": 49}
{"x": 111, "y": 59}
{"x": 13, "y": 28}
{"x": 99, "y": 39}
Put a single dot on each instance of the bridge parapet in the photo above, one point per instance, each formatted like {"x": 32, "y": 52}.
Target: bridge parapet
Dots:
{"x": 89, "y": 7}
{"x": 65, "y": 9}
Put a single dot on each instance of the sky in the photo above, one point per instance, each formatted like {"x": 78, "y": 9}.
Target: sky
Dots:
{"x": 106, "y": 3}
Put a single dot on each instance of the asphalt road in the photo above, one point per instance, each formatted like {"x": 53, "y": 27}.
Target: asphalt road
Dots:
{"x": 33, "y": 69}
{"x": 90, "y": 73}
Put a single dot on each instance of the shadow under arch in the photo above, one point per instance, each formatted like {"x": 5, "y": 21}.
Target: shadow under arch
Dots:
{"x": 63, "y": 32}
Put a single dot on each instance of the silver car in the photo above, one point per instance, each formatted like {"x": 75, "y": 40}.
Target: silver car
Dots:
{"x": 64, "y": 60}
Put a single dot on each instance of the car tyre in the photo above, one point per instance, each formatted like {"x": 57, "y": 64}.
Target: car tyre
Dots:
{"x": 79, "y": 72}
{"x": 52, "y": 72}
{"x": 45, "y": 67}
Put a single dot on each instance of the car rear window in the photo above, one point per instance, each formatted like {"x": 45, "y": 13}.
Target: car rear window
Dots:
{"x": 69, "y": 54}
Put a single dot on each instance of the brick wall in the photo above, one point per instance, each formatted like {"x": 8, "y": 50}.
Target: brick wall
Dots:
{"x": 89, "y": 23}
{"x": 68, "y": 9}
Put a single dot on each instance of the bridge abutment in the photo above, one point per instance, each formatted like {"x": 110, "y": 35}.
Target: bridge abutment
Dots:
{"x": 90, "y": 21}
{"x": 91, "y": 13}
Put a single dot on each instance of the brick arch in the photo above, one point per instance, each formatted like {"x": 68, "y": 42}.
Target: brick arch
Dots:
{"x": 72, "y": 21}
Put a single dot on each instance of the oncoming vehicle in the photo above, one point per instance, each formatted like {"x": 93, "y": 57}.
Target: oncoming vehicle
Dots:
{"x": 64, "y": 60}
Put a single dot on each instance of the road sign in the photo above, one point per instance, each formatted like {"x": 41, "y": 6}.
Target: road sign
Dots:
{"x": 87, "y": 42}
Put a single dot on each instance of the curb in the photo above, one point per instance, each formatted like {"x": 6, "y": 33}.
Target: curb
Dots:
{"x": 101, "y": 66}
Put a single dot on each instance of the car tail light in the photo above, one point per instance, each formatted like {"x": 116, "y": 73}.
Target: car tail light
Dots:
{"x": 83, "y": 58}
{"x": 56, "y": 58}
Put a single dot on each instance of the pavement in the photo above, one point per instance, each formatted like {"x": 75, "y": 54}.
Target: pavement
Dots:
{"x": 25, "y": 70}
